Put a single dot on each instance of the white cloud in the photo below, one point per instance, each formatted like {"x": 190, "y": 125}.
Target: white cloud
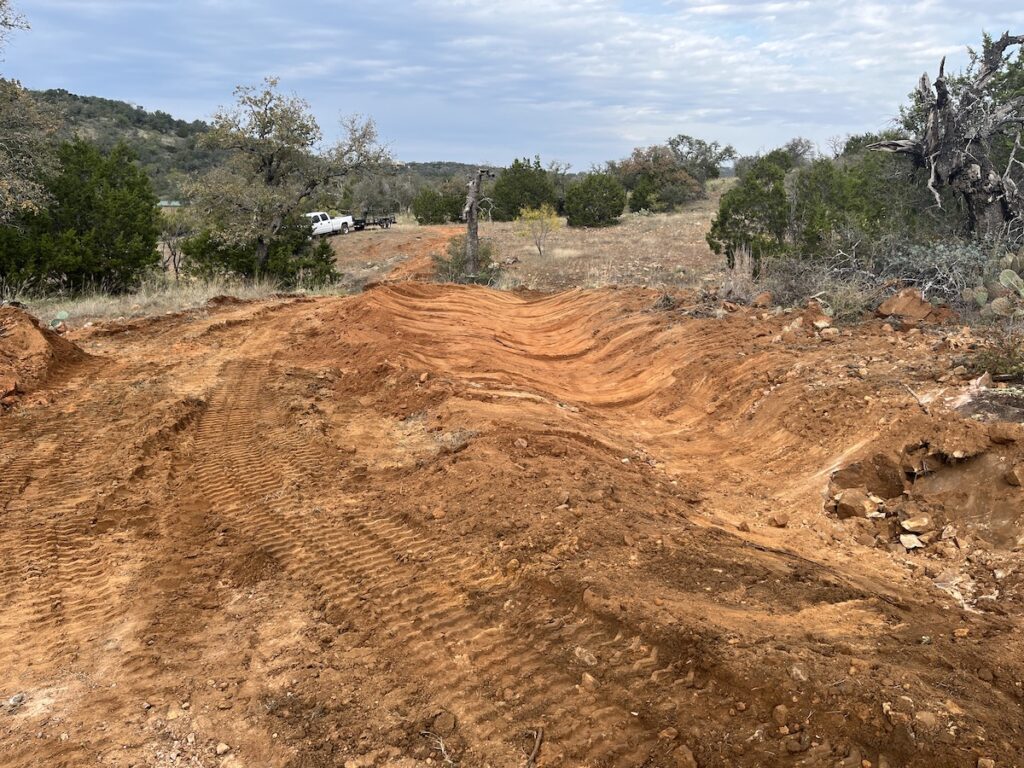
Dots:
{"x": 583, "y": 80}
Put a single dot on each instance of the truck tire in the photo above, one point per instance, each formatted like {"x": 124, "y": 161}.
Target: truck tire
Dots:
{"x": 344, "y": 228}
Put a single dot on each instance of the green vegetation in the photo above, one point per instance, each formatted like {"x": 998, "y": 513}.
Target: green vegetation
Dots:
{"x": 252, "y": 203}
{"x": 100, "y": 227}
{"x": 596, "y": 200}
{"x": 537, "y": 224}
{"x": 168, "y": 149}
{"x": 438, "y": 206}
{"x": 452, "y": 266}
{"x": 524, "y": 184}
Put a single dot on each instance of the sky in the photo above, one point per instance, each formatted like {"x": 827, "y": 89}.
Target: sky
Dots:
{"x": 485, "y": 81}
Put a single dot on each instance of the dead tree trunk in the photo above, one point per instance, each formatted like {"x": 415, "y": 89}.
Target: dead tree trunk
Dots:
{"x": 472, "y": 214}
{"x": 956, "y": 144}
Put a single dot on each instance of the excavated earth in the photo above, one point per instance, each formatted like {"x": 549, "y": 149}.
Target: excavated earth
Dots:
{"x": 440, "y": 525}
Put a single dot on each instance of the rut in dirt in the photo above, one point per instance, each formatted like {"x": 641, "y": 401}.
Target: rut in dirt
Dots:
{"x": 434, "y": 509}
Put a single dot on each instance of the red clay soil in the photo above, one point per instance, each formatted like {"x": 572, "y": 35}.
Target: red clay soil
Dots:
{"x": 417, "y": 526}
{"x": 29, "y": 353}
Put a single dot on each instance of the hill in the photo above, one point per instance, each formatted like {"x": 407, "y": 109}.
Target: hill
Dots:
{"x": 167, "y": 148}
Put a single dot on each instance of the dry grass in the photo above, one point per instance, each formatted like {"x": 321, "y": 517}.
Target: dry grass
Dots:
{"x": 659, "y": 251}
{"x": 157, "y": 295}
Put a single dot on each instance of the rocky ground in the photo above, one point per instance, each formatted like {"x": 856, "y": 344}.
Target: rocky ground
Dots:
{"x": 443, "y": 525}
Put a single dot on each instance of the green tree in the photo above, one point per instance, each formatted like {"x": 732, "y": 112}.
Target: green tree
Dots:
{"x": 701, "y": 159}
{"x": 101, "y": 229}
{"x": 596, "y": 200}
{"x": 274, "y": 166}
{"x": 438, "y": 206}
{"x": 655, "y": 172}
{"x": 642, "y": 197}
{"x": 293, "y": 258}
{"x": 754, "y": 214}
{"x": 524, "y": 184}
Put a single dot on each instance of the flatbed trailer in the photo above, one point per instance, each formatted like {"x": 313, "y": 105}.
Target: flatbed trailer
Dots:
{"x": 371, "y": 219}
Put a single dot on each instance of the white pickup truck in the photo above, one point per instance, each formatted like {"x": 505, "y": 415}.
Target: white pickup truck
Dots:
{"x": 324, "y": 224}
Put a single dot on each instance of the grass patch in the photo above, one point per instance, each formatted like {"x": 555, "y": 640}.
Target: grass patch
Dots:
{"x": 156, "y": 295}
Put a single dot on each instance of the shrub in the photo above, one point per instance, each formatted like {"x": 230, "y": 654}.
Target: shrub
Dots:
{"x": 538, "y": 224}
{"x": 431, "y": 206}
{"x": 294, "y": 259}
{"x": 524, "y": 184}
{"x": 451, "y": 267}
{"x": 101, "y": 228}
{"x": 1002, "y": 355}
{"x": 596, "y": 200}
{"x": 657, "y": 179}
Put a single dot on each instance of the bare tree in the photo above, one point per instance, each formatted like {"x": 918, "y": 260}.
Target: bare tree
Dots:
{"x": 474, "y": 198}
{"x": 964, "y": 121}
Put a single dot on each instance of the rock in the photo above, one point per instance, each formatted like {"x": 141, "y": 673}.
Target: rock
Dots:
{"x": 222, "y": 749}
{"x": 763, "y": 300}
{"x": 521, "y": 443}
{"x": 8, "y": 386}
{"x": 854, "y": 502}
{"x": 684, "y": 758}
{"x": 917, "y": 524}
{"x": 910, "y": 304}
{"x": 780, "y": 715}
{"x": 589, "y": 682}
{"x": 1001, "y": 433}
{"x": 585, "y": 656}
{"x": 822, "y": 324}
{"x": 439, "y": 514}
{"x": 798, "y": 743}
{"x": 910, "y": 541}
{"x": 880, "y": 475}
{"x": 1015, "y": 476}
{"x": 986, "y": 762}
{"x": 927, "y": 721}
{"x": 743, "y": 527}
{"x": 512, "y": 565}
{"x": 778, "y": 520}
{"x": 797, "y": 673}
{"x": 15, "y": 703}
{"x": 828, "y": 334}
{"x": 669, "y": 734}
{"x": 443, "y": 723}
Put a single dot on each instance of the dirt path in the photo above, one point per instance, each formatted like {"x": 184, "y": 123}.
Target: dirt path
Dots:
{"x": 312, "y": 531}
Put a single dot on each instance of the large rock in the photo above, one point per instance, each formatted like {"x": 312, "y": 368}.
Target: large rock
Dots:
{"x": 880, "y": 475}
{"x": 910, "y": 304}
{"x": 854, "y": 502}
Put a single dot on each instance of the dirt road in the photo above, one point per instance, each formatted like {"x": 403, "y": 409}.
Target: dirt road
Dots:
{"x": 418, "y": 525}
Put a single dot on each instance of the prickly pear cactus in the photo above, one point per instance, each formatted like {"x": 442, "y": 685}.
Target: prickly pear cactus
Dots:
{"x": 1010, "y": 279}
{"x": 1000, "y": 293}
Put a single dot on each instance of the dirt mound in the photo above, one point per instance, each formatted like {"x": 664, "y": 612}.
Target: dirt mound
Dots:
{"x": 29, "y": 353}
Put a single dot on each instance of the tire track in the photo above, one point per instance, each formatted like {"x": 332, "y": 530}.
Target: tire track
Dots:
{"x": 363, "y": 561}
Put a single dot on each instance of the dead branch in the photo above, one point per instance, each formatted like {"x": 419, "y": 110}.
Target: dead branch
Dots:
{"x": 920, "y": 402}
{"x": 538, "y": 738}
{"x": 440, "y": 746}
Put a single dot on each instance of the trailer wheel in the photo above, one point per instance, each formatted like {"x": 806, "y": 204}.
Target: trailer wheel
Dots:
{"x": 344, "y": 228}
